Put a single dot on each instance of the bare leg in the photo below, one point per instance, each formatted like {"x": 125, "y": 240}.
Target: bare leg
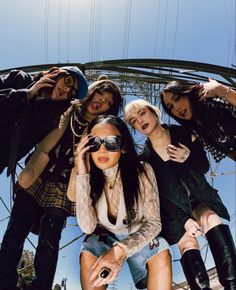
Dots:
{"x": 160, "y": 271}
{"x": 86, "y": 262}
{"x": 206, "y": 217}
{"x": 187, "y": 243}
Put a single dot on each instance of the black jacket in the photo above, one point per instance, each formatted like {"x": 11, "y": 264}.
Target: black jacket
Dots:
{"x": 23, "y": 123}
{"x": 174, "y": 200}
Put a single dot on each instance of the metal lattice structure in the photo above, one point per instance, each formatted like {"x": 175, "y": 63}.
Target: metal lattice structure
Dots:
{"x": 144, "y": 78}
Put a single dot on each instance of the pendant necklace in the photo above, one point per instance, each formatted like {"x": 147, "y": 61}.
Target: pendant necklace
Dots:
{"x": 112, "y": 184}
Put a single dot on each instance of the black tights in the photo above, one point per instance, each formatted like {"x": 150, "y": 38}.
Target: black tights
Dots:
{"x": 24, "y": 214}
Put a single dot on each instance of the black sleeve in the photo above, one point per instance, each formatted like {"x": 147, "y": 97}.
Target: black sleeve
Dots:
{"x": 197, "y": 159}
{"x": 13, "y": 94}
{"x": 16, "y": 79}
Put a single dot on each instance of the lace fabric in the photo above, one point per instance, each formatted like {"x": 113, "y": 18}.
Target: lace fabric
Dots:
{"x": 147, "y": 223}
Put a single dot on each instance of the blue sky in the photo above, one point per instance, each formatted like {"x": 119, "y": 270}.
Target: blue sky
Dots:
{"x": 51, "y": 31}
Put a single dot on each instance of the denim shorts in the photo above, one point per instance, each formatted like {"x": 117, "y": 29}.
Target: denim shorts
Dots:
{"x": 137, "y": 263}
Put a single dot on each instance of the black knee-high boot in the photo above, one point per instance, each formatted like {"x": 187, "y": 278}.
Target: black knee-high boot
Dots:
{"x": 194, "y": 270}
{"x": 224, "y": 253}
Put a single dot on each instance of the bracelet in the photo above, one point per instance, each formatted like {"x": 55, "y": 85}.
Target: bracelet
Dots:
{"x": 227, "y": 92}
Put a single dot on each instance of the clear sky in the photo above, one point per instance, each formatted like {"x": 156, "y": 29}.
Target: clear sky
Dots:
{"x": 51, "y": 31}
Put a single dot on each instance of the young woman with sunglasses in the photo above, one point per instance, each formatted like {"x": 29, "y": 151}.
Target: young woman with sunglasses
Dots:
{"x": 190, "y": 207}
{"x": 31, "y": 106}
{"x": 41, "y": 204}
{"x": 119, "y": 211}
{"x": 209, "y": 110}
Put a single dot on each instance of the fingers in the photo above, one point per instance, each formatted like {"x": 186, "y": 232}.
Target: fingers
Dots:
{"x": 183, "y": 146}
{"x": 111, "y": 262}
{"x": 53, "y": 74}
{"x": 96, "y": 263}
{"x": 207, "y": 90}
{"x": 96, "y": 277}
{"x": 81, "y": 156}
{"x": 114, "y": 274}
{"x": 82, "y": 145}
{"x": 45, "y": 82}
{"x": 178, "y": 154}
{"x": 172, "y": 147}
{"x": 194, "y": 230}
{"x": 197, "y": 232}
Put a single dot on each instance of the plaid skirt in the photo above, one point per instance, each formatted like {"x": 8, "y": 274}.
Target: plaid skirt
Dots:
{"x": 50, "y": 194}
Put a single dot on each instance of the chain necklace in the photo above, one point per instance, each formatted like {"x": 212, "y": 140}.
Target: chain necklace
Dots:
{"x": 74, "y": 119}
{"x": 112, "y": 198}
{"x": 111, "y": 185}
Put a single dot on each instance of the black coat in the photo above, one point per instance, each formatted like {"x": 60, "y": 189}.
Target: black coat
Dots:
{"x": 23, "y": 123}
{"x": 174, "y": 200}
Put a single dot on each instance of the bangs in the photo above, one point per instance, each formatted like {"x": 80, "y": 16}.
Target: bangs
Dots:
{"x": 137, "y": 105}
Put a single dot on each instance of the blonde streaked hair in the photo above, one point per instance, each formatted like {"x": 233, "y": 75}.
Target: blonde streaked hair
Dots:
{"x": 135, "y": 106}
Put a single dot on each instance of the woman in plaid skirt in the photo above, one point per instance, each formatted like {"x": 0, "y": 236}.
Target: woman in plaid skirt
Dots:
{"x": 41, "y": 195}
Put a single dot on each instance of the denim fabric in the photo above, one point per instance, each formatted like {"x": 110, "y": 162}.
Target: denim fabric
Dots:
{"x": 137, "y": 262}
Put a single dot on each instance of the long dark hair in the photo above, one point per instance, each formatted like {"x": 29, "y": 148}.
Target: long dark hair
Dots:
{"x": 182, "y": 89}
{"x": 108, "y": 87}
{"x": 204, "y": 116}
{"x": 128, "y": 160}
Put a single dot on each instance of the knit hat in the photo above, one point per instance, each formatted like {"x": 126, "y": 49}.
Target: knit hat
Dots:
{"x": 103, "y": 79}
{"x": 82, "y": 82}
{"x": 104, "y": 84}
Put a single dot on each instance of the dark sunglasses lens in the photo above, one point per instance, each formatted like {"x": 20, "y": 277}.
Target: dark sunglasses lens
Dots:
{"x": 113, "y": 143}
{"x": 72, "y": 94}
{"x": 95, "y": 144}
{"x": 69, "y": 81}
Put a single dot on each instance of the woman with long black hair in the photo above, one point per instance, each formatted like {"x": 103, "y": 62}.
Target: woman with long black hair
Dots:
{"x": 208, "y": 110}
{"x": 117, "y": 205}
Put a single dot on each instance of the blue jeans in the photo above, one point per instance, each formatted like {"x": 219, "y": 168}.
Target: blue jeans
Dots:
{"x": 25, "y": 213}
{"x": 97, "y": 245}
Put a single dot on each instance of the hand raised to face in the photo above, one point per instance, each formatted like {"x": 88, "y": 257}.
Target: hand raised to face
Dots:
{"x": 47, "y": 81}
{"x": 81, "y": 156}
{"x": 211, "y": 89}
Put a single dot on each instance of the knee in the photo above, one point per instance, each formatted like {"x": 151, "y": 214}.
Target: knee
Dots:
{"x": 189, "y": 244}
{"x": 160, "y": 262}
{"x": 209, "y": 219}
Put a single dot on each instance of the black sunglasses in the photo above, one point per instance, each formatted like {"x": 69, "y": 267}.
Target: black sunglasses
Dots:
{"x": 111, "y": 143}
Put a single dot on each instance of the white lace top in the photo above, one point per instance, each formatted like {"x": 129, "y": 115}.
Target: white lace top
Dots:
{"x": 147, "y": 224}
